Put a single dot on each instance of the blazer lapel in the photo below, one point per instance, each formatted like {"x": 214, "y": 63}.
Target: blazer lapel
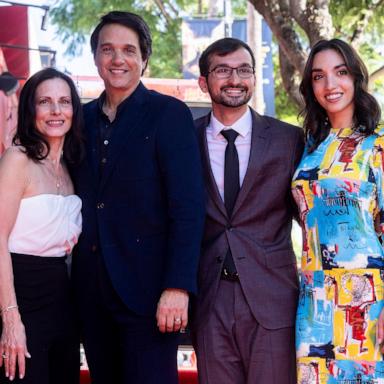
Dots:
{"x": 259, "y": 144}
{"x": 207, "y": 170}
{"x": 131, "y": 115}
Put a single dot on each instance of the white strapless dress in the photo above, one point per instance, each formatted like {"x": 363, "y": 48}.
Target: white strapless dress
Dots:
{"x": 46, "y": 225}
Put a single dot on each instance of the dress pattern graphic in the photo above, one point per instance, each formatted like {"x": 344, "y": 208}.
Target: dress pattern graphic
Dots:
{"x": 340, "y": 194}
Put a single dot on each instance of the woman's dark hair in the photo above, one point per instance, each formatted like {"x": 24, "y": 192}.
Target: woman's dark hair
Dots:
{"x": 221, "y": 47}
{"x": 367, "y": 111}
{"x": 36, "y": 146}
{"x": 128, "y": 20}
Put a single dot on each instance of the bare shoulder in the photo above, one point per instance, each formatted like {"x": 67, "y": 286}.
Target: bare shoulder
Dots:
{"x": 15, "y": 155}
{"x": 14, "y": 163}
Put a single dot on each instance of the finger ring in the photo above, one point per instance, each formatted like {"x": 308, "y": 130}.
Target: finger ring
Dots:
{"x": 177, "y": 320}
{"x": 4, "y": 356}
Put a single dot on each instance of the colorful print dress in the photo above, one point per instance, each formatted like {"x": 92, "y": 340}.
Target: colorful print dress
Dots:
{"x": 340, "y": 194}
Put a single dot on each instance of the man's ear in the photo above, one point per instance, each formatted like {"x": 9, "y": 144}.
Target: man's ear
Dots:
{"x": 145, "y": 66}
{"x": 203, "y": 84}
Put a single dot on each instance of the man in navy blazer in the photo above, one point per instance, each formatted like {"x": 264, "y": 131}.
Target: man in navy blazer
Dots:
{"x": 143, "y": 212}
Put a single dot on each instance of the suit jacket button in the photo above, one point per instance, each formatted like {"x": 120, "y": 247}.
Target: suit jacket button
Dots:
{"x": 94, "y": 248}
{"x": 100, "y": 205}
{"x": 219, "y": 259}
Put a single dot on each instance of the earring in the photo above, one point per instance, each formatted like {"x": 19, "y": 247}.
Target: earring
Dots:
{"x": 361, "y": 128}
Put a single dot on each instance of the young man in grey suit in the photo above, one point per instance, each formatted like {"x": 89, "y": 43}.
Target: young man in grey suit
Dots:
{"x": 248, "y": 283}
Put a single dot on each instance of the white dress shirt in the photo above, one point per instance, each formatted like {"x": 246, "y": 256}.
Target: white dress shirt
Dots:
{"x": 217, "y": 144}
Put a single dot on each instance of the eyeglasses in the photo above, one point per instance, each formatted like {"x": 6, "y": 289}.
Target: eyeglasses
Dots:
{"x": 221, "y": 72}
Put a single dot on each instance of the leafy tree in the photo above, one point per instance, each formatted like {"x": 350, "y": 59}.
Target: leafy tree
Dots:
{"x": 77, "y": 18}
{"x": 298, "y": 24}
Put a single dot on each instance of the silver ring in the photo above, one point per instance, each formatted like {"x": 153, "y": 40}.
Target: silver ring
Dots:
{"x": 177, "y": 320}
{"x": 4, "y": 356}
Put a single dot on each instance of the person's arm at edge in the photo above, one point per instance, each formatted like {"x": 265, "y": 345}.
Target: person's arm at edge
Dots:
{"x": 13, "y": 181}
{"x": 298, "y": 152}
{"x": 179, "y": 158}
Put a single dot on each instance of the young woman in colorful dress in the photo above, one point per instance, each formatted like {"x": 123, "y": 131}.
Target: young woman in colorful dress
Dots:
{"x": 339, "y": 189}
{"x": 40, "y": 223}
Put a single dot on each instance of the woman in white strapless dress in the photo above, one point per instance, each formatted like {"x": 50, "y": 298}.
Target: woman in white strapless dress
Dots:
{"x": 40, "y": 222}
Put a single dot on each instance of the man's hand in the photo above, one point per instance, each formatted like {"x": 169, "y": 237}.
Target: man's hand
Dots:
{"x": 172, "y": 310}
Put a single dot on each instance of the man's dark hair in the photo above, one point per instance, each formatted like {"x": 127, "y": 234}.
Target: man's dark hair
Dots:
{"x": 36, "y": 146}
{"x": 366, "y": 112}
{"x": 221, "y": 47}
{"x": 128, "y": 20}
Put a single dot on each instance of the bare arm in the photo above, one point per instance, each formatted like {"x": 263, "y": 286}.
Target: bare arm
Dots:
{"x": 13, "y": 184}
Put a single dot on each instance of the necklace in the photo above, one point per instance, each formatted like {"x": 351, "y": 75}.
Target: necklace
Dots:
{"x": 55, "y": 172}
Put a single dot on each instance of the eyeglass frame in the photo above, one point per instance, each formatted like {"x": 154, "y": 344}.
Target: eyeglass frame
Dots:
{"x": 232, "y": 69}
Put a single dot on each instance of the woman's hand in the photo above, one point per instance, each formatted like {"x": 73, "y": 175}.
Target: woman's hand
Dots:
{"x": 380, "y": 331}
{"x": 13, "y": 344}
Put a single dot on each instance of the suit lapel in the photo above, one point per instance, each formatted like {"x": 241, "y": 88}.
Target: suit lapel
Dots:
{"x": 208, "y": 174}
{"x": 131, "y": 115}
{"x": 259, "y": 144}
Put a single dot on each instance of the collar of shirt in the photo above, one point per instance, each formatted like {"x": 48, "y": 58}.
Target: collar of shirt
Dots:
{"x": 242, "y": 126}
{"x": 126, "y": 103}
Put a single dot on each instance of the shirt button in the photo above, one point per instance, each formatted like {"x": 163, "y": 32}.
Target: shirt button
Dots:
{"x": 103, "y": 160}
{"x": 100, "y": 205}
{"x": 106, "y": 142}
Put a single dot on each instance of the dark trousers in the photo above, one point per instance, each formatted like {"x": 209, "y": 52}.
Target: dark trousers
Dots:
{"x": 233, "y": 348}
{"x": 46, "y": 308}
{"x": 121, "y": 346}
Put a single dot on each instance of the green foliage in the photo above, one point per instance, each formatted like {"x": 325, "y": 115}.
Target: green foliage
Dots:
{"x": 286, "y": 109}
{"x": 347, "y": 15}
{"x": 76, "y": 18}
{"x": 166, "y": 60}
{"x": 239, "y": 8}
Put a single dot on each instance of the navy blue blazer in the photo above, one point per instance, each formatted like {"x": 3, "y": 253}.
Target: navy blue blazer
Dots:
{"x": 145, "y": 214}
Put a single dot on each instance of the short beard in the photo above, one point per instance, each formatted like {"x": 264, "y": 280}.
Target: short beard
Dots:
{"x": 231, "y": 102}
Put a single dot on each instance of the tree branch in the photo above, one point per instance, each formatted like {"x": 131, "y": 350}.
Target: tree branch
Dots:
{"x": 314, "y": 17}
{"x": 298, "y": 13}
{"x": 163, "y": 11}
{"x": 282, "y": 27}
{"x": 365, "y": 16}
{"x": 291, "y": 79}
{"x": 375, "y": 75}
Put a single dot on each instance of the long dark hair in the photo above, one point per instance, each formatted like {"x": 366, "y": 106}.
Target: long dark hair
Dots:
{"x": 367, "y": 111}
{"x": 36, "y": 146}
